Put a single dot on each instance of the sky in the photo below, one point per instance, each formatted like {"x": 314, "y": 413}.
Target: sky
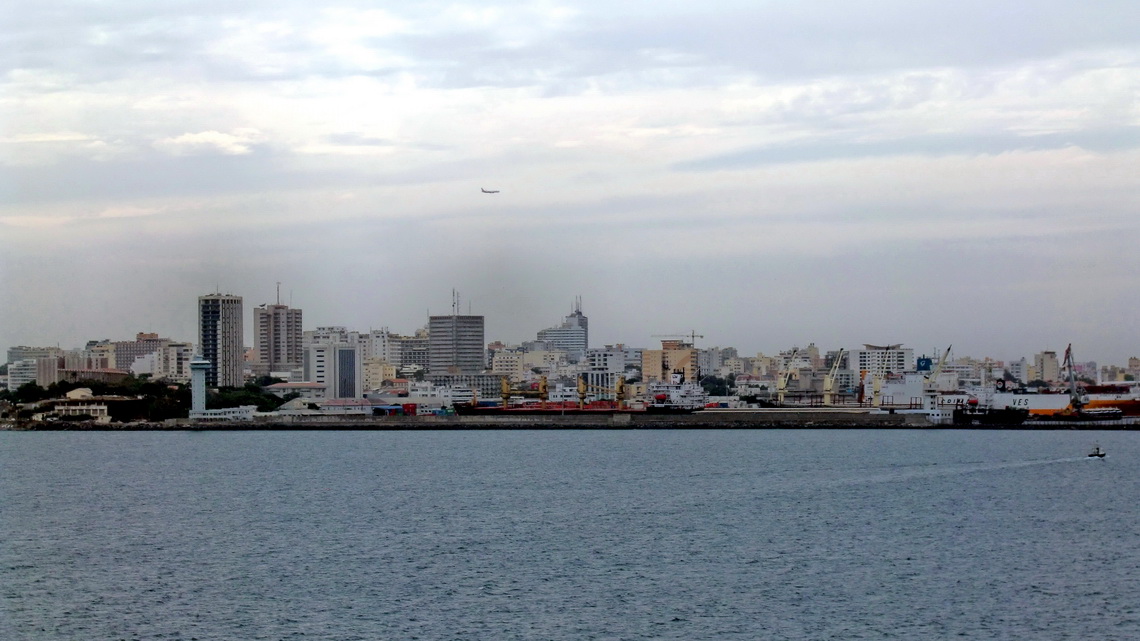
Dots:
{"x": 765, "y": 174}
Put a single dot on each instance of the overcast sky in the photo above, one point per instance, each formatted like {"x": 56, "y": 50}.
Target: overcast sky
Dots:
{"x": 765, "y": 173}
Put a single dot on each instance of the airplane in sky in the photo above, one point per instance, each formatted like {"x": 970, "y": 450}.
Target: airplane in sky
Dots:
{"x": 489, "y": 191}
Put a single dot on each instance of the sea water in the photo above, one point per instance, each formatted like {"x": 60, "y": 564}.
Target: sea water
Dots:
{"x": 593, "y": 534}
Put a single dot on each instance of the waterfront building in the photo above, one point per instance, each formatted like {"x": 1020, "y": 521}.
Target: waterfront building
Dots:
{"x": 455, "y": 344}
{"x": 484, "y": 386}
{"x": 220, "y": 337}
{"x": 307, "y": 391}
{"x": 338, "y": 366}
{"x": 21, "y": 372}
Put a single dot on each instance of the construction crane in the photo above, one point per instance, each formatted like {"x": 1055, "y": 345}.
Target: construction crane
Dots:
{"x": 829, "y": 380}
{"x": 692, "y": 336}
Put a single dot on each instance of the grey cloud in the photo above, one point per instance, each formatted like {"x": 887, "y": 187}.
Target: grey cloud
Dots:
{"x": 353, "y": 139}
{"x": 770, "y": 41}
{"x": 1102, "y": 141}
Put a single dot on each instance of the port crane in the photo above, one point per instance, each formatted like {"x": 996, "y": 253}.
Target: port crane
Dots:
{"x": 932, "y": 379}
{"x": 618, "y": 390}
{"x": 829, "y": 380}
{"x": 785, "y": 376}
{"x": 506, "y": 391}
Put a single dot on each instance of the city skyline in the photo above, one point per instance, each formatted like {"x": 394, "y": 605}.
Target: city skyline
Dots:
{"x": 692, "y": 337}
{"x": 766, "y": 175}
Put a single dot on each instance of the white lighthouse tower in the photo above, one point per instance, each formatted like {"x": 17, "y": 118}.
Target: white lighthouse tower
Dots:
{"x": 198, "y": 368}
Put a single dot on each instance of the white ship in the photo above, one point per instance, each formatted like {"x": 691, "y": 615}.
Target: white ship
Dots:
{"x": 675, "y": 396}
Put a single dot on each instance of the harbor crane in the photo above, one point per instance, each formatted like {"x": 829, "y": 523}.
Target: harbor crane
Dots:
{"x": 829, "y": 380}
{"x": 618, "y": 390}
{"x": 506, "y": 391}
{"x": 932, "y": 380}
{"x": 785, "y": 376}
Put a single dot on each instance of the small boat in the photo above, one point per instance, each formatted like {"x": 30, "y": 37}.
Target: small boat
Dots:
{"x": 1096, "y": 452}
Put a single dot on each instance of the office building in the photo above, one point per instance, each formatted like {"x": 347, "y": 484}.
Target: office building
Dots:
{"x": 572, "y": 336}
{"x": 337, "y": 366}
{"x": 455, "y": 344}
{"x": 220, "y": 335}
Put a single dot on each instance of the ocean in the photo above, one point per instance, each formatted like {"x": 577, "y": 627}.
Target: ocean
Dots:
{"x": 565, "y": 534}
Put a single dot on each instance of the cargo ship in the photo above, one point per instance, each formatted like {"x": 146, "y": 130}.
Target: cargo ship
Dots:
{"x": 1123, "y": 396}
{"x": 676, "y": 396}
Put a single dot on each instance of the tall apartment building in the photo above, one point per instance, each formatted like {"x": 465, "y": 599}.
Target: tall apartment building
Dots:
{"x": 1047, "y": 366}
{"x": 220, "y": 336}
{"x": 456, "y": 344}
{"x": 277, "y": 334}
{"x": 572, "y": 336}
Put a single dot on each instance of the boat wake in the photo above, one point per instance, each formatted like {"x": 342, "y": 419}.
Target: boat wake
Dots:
{"x": 935, "y": 470}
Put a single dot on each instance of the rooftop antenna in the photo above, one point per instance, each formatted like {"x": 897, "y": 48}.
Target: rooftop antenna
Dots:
{"x": 278, "y": 292}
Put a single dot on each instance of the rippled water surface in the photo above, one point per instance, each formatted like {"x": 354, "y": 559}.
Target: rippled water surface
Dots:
{"x": 569, "y": 535}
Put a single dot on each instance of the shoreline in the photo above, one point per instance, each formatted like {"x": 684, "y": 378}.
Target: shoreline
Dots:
{"x": 767, "y": 419}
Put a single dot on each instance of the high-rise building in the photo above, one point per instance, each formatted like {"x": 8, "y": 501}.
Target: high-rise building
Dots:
{"x": 277, "y": 343}
{"x": 455, "y": 344}
{"x": 1047, "y": 366}
{"x": 220, "y": 338}
{"x": 572, "y": 336}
